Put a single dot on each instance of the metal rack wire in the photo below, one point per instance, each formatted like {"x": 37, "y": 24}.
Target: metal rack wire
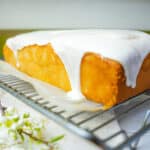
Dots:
{"x": 79, "y": 122}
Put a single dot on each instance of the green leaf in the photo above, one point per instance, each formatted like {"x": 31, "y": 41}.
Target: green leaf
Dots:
{"x": 8, "y": 123}
{"x": 16, "y": 119}
{"x": 56, "y": 138}
{"x": 26, "y": 115}
{"x": 22, "y": 137}
{"x": 28, "y": 124}
{"x": 13, "y": 134}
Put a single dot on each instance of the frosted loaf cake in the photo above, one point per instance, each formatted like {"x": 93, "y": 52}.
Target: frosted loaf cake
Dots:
{"x": 105, "y": 66}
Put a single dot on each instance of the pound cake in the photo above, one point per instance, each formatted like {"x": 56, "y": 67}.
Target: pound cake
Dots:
{"x": 103, "y": 66}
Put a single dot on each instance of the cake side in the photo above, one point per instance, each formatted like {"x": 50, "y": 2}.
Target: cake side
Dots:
{"x": 102, "y": 79}
{"x": 142, "y": 82}
{"x": 106, "y": 81}
{"x": 40, "y": 62}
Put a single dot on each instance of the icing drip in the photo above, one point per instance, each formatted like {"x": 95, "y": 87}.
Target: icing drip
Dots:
{"x": 17, "y": 60}
{"x": 127, "y": 47}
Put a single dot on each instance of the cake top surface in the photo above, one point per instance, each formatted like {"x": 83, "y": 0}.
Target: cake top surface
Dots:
{"x": 128, "y": 47}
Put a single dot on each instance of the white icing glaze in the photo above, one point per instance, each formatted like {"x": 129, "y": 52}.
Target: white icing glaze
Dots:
{"x": 127, "y": 47}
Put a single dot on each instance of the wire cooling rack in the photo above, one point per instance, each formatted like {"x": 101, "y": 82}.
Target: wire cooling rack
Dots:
{"x": 85, "y": 124}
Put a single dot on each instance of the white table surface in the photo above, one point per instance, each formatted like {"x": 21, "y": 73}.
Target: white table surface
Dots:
{"x": 130, "y": 123}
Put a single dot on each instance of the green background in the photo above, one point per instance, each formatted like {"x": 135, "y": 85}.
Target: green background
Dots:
{"x": 4, "y": 34}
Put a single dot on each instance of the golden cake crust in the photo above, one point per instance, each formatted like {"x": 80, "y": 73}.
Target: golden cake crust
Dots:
{"x": 102, "y": 79}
